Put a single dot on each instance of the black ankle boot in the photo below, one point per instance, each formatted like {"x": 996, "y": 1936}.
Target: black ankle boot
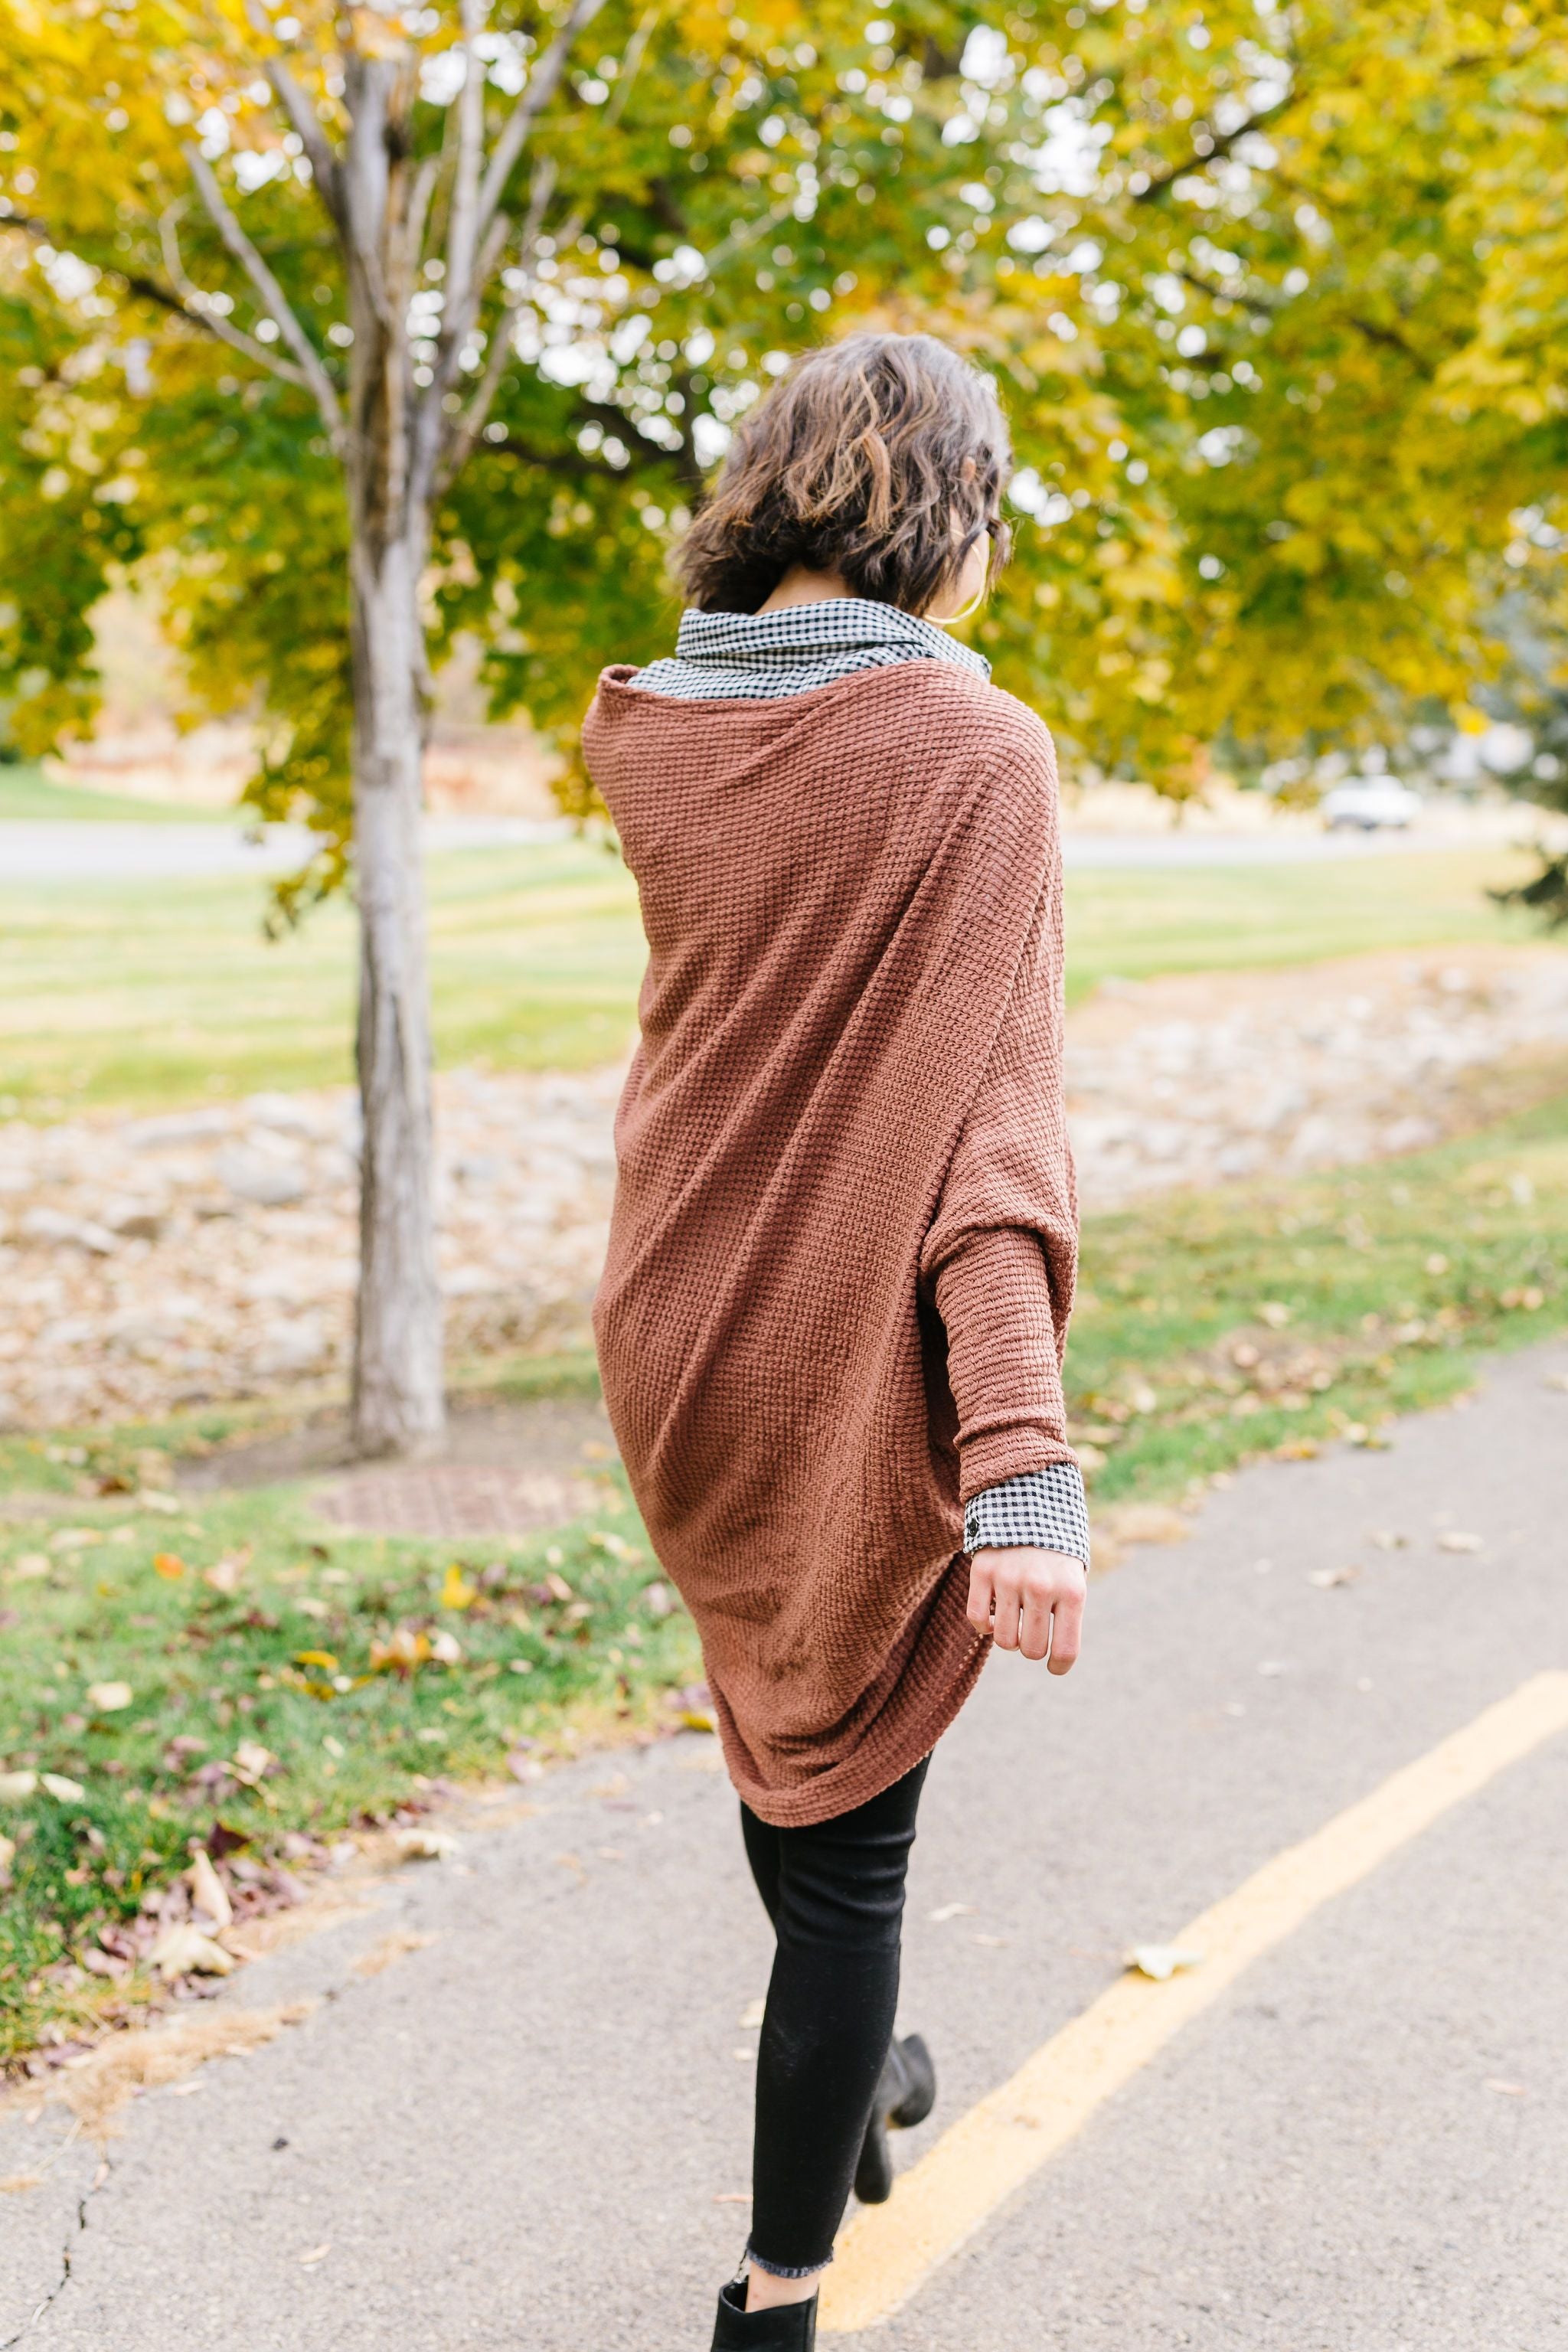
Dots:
{"x": 784, "y": 2327}
{"x": 905, "y": 2095}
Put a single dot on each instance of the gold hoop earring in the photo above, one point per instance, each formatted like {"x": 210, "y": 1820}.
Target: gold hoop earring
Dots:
{"x": 951, "y": 620}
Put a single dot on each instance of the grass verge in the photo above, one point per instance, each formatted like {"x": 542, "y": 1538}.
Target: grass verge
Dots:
{"x": 158, "y": 993}
{"x": 26, "y": 793}
{"x": 279, "y": 1688}
{"x": 228, "y": 1676}
{"x": 1217, "y": 1326}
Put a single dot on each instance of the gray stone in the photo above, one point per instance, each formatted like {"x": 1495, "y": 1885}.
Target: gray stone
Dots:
{"x": 269, "y": 1183}
{"x": 44, "y": 1224}
{"x": 283, "y": 1115}
{"x": 181, "y": 1127}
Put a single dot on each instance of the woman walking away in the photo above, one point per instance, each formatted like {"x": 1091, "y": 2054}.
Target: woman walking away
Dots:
{"x": 841, "y": 1261}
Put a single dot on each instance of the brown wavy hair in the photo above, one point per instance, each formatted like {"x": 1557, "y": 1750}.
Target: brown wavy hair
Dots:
{"x": 882, "y": 458}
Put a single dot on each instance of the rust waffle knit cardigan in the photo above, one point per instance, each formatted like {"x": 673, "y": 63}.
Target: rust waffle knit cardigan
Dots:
{"x": 842, "y": 1252}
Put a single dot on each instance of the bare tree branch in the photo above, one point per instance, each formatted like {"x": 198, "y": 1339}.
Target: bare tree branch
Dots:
{"x": 197, "y": 305}
{"x": 1223, "y": 141}
{"x": 468, "y": 429}
{"x": 301, "y": 114}
{"x": 1388, "y": 336}
{"x": 631, "y": 64}
{"x": 571, "y": 462}
{"x": 180, "y": 298}
{"x": 542, "y": 85}
{"x": 427, "y": 173}
{"x": 311, "y": 364}
{"x": 463, "y": 218}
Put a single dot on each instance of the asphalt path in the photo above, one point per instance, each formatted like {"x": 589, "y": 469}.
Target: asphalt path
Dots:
{"x": 531, "y": 2131}
{"x": 50, "y": 849}
{"x": 62, "y": 850}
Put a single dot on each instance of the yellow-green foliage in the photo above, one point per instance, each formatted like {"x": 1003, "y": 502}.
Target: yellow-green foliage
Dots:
{"x": 1271, "y": 294}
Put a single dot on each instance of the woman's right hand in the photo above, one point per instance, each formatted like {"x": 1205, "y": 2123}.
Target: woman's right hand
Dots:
{"x": 1030, "y": 1601}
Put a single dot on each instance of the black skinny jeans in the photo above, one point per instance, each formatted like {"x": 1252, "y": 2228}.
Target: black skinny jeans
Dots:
{"x": 835, "y": 1892}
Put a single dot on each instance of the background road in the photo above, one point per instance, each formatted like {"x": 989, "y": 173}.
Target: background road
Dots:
{"x": 516, "y": 2135}
{"x": 45, "y": 849}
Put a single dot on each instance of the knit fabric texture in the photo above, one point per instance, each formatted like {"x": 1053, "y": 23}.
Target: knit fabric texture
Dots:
{"x": 842, "y": 1252}
{"x": 757, "y": 656}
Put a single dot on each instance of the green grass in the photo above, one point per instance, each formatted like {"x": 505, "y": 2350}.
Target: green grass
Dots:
{"x": 164, "y": 993}
{"x": 27, "y": 791}
{"x": 1140, "y": 923}
{"x": 1349, "y": 1297}
{"x": 281, "y": 1651}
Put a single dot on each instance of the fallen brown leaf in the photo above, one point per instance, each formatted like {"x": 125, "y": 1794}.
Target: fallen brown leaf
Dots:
{"x": 208, "y": 1892}
{"x": 183, "y": 1950}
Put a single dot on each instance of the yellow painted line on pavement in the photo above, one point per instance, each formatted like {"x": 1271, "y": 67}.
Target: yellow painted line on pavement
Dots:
{"x": 888, "y": 2251}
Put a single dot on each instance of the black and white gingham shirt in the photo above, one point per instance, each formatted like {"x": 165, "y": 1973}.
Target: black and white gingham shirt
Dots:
{"x": 754, "y": 656}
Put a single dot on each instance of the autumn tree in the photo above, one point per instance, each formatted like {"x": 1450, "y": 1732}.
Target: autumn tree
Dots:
{"x": 384, "y": 218}
{"x": 371, "y": 329}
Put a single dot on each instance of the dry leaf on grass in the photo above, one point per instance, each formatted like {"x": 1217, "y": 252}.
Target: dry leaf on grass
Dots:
{"x": 424, "y": 1846}
{"x": 97, "y": 2087}
{"x": 108, "y": 1699}
{"x": 457, "y": 1592}
{"x": 224, "y": 1574}
{"x": 208, "y": 1892}
{"x": 183, "y": 1950}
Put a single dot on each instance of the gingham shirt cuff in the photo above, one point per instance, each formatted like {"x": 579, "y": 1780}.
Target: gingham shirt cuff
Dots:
{"x": 1046, "y": 1508}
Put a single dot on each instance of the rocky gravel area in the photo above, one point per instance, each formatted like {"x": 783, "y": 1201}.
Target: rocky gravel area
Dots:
{"x": 151, "y": 1263}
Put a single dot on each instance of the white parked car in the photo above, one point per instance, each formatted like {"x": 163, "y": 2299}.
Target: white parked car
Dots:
{"x": 1369, "y": 803}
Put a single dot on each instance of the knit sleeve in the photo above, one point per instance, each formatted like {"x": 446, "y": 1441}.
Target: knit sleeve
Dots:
{"x": 1001, "y": 1254}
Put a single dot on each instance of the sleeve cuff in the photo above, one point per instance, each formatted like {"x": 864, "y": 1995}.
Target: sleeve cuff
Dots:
{"x": 1046, "y": 1508}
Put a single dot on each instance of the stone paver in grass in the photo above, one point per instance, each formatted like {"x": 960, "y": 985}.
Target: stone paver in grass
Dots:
{"x": 453, "y": 1498}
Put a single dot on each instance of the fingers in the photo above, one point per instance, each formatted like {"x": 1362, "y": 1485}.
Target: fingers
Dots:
{"x": 1006, "y": 1607}
{"x": 1034, "y": 1632}
{"x": 994, "y": 1598}
{"x": 978, "y": 1607}
{"x": 1029, "y": 1601}
{"x": 1067, "y": 1630}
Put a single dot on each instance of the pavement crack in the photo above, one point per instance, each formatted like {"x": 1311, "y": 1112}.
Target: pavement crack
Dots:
{"x": 104, "y": 2169}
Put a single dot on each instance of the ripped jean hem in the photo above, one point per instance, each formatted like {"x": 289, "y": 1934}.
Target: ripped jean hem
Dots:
{"x": 784, "y": 2270}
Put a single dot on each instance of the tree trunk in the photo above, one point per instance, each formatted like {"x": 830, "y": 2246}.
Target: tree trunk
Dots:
{"x": 398, "y": 1405}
